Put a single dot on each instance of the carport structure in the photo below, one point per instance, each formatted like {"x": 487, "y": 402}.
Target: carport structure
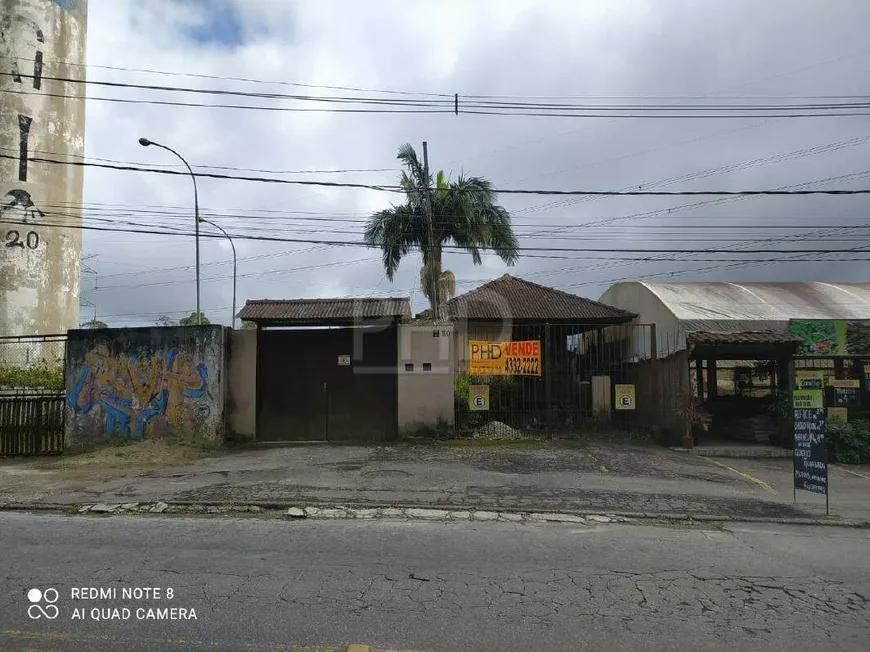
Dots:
{"x": 745, "y": 334}
{"x": 708, "y": 348}
{"x": 327, "y": 368}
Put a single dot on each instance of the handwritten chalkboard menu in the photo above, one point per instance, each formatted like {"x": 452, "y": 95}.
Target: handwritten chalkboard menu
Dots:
{"x": 847, "y": 392}
{"x": 810, "y": 433}
{"x": 846, "y": 396}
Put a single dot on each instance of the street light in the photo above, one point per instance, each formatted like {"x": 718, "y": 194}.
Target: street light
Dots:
{"x": 146, "y": 143}
{"x": 234, "y": 265}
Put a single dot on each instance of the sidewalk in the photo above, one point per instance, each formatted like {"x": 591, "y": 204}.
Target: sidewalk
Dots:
{"x": 520, "y": 476}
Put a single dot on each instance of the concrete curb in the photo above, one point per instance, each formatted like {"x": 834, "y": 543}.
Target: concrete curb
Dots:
{"x": 332, "y": 511}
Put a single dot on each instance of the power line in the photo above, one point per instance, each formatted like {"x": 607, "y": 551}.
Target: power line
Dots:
{"x": 778, "y": 158}
{"x": 501, "y": 191}
{"x": 391, "y": 107}
{"x": 210, "y": 167}
{"x": 481, "y": 102}
{"x": 127, "y": 210}
{"x": 346, "y": 243}
{"x": 680, "y": 235}
{"x": 451, "y": 95}
{"x": 238, "y": 79}
{"x": 211, "y": 175}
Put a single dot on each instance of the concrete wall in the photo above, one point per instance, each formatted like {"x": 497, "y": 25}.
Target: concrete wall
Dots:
{"x": 39, "y": 264}
{"x": 135, "y": 383}
{"x": 242, "y": 384}
{"x": 425, "y": 377}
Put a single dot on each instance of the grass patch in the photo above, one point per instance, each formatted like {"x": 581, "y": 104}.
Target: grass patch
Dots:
{"x": 146, "y": 454}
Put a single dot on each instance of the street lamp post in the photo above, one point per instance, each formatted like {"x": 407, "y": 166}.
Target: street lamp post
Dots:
{"x": 146, "y": 143}
{"x": 232, "y": 244}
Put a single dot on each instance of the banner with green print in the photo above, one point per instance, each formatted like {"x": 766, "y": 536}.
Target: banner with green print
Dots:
{"x": 832, "y": 337}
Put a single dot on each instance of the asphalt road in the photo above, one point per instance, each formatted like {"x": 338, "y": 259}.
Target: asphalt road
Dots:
{"x": 278, "y": 585}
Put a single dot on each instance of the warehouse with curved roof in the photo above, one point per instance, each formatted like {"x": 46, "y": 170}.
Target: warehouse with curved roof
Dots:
{"x": 681, "y": 309}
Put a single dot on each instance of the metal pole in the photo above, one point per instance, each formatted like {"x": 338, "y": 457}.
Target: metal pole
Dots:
{"x": 428, "y": 207}
{"x": 827, "y": 480}
{"x": 146, "y": 142}
{"x": 232, "y": 244}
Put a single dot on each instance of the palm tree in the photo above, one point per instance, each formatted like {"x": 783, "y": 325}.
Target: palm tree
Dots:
{"x": 464, "y": 213}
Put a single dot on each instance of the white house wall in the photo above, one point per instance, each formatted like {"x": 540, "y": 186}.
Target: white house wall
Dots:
{"x": 637, "y": 298}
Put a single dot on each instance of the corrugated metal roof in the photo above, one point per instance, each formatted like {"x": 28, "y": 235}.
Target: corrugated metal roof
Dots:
{"x": 325, "y": 310}
{"x": 722, "y": 302}
{"x": 516, "y": 298}
{"x": 744, "y": 337}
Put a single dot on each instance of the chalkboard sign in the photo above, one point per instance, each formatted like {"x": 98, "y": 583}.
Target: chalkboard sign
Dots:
{"x": 846, "y": 396}
{"x": 810, "y": 433}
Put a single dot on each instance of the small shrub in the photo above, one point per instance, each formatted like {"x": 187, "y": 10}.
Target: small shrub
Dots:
{"x": 849, "y": 442}
{"x": 778, "y": 404}
{"x": 690, "y": 408}
{"x": 41, "y": 376}
{"x": 461, "y": 387}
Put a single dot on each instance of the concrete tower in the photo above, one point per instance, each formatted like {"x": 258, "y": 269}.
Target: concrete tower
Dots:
{"x": 39, "y": 260}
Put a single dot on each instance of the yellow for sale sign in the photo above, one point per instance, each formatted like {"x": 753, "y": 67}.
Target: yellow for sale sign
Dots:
{"x": 504, "y": 358}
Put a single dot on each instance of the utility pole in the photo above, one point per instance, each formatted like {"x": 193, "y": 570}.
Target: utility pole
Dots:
{"x": 428, "y": 208}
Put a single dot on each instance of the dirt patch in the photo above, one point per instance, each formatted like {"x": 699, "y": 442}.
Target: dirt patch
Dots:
{"x": 141, "y": 455}
{"x": 25, "y": 479}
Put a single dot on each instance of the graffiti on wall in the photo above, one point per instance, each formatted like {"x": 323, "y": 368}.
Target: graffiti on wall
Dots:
{"x": 136, "y": 391}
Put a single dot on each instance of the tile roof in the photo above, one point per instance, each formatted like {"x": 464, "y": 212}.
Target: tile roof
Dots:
{"x": 744, "y": 337}
{"x": 325, "y": 310}
{"x": 517, "y": 298}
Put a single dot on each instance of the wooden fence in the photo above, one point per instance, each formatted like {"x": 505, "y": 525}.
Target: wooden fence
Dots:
{"x": 31, "y": 424}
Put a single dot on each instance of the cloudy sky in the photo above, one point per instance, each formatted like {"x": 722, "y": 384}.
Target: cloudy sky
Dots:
{"x": 614, "y": 53}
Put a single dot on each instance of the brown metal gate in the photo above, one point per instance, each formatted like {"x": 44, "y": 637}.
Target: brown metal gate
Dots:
{"x": 327, "y": 385}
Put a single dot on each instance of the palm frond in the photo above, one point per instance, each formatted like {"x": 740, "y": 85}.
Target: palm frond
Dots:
{"x": 397, "y": 232}
{"x": 464, "y": 211}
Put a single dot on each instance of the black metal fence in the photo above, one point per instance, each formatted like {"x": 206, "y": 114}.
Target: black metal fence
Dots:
{"x": 32, "y": 394}
{"x": 586, "y": 371}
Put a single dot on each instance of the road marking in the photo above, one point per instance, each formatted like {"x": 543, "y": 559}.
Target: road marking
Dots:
{"x": 358, "y": 647}
{"x": 850, "y": 472}
{"x": 745, "y": 476}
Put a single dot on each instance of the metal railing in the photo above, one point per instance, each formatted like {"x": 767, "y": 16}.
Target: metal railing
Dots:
{"x": 32, "y": 394}
{"x": 581, "y": 365}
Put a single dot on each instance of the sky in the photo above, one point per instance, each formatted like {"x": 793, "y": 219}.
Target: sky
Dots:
{"x": 612, "y": 52}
